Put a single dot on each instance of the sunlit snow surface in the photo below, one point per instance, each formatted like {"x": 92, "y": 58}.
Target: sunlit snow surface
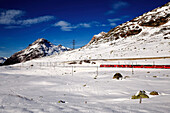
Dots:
{"x": 32, "y": 89}
{"x": 47, "y": 85}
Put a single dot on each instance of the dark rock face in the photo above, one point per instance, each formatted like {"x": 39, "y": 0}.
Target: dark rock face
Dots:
{"x": 154, "y": 18}
{"x": 123, "y": 32}
{"x": 157, "y": 22}
{"x": 17, "y": 57}
{"x": 39, "y": 48}
{"x": 87, "y": 61}
{"x": 13, "y": 59}
{"x": 73, "y": 62}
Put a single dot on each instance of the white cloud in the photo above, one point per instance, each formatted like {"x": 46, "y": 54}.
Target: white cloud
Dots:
{"x": 86, "y": 25}
{"x": 8, "y": 17}
{"x": 12, "y": 27}
{"x": 113, "y": 24}
{"x": 116, "y": 6}
{"x": 62, "y": 24}
{"x": 35, "y": 20}
{"x": 119, "y": 4}
{"x": 114, "y": 20}
{"x": 66, "y": 26}
{"x": 101, "y": 25}
{"x": 110, "y": 12}
{"x": 12, "y": 18}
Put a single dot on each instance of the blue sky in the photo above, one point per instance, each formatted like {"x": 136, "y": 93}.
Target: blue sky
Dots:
{"x": 60, "y": 21}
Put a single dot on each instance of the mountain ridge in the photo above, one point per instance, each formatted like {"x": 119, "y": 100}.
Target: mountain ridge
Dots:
{"x": 40, "y": 48}
{"x": 154, "y": 18}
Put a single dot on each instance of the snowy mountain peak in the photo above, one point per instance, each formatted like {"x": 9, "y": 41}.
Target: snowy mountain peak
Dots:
{"x": 39, "y": 42}
{"x": 39, "y": 48}
{"x": 2, "y": 60}
{"x": 59, "y": 45}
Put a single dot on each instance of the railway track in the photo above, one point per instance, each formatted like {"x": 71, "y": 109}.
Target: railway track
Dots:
{"x": 117, "y": 59}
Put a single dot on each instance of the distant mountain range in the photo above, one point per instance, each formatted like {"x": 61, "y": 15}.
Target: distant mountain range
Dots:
{"x": 39, "y": 48}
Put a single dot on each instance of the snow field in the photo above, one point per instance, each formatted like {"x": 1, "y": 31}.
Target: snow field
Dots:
{"x": 35, "y": 89}
{"x": 47, "y": 85}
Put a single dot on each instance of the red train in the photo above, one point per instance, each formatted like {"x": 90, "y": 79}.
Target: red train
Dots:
{"x": 138, "y": 66}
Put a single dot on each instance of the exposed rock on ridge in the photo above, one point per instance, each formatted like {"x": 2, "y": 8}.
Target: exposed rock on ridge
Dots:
{"x": 155, "y": 18}
{"x": 39, "y": 48}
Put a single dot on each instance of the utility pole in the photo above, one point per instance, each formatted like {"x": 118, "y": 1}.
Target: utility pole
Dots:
{"x": 73, "y": 44}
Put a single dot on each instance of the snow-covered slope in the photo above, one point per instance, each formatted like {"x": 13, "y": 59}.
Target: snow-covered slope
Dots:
{"x": 37, "y": 49}
{"x": 145, "y": 36}
{"x": 50, "y": 89}
{"x": 47, "y": 85}
{"x": 157, "y": 20}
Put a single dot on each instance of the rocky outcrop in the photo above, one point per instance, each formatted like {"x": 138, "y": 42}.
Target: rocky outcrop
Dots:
{"x": 97, "y": 37}
{"x": 154, "y": 18}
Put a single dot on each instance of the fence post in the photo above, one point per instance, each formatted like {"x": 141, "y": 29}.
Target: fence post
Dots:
{"x": 140, "y": 101}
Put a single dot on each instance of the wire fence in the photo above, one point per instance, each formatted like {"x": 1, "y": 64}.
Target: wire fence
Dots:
{"x": 71, "y": 68}
{"x": 52, "y": 66}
